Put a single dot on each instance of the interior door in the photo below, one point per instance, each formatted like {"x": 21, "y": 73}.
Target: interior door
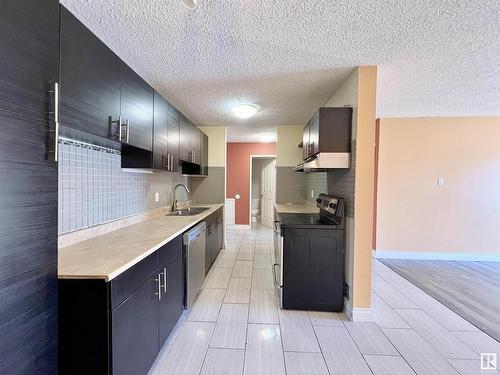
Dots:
{"x": 268, "y": 193}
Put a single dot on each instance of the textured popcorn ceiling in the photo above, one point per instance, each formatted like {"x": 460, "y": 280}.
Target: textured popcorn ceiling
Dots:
{"x": 435, "y": 58}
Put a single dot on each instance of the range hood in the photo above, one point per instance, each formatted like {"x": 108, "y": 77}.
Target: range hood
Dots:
{"x": 325, "y": 161}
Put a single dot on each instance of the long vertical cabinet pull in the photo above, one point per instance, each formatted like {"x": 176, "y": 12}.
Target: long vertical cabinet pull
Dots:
{"x": 158, "y": 293}
{"x": 54, "y": 124}
{"x": 165, "y": 280}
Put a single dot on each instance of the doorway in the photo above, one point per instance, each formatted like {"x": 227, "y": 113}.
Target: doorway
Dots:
{"x": 262, "y": 189}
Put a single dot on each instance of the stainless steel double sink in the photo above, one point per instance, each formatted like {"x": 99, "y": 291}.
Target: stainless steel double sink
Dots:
{"x": 192, "y": 211}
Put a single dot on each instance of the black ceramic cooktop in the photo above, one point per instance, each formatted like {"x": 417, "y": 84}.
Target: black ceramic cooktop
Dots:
{"x": 288, "y": 220}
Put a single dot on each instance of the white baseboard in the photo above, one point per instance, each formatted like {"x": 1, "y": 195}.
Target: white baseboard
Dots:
{"x": 418, "y": 255}
{"x": 358, "y": 314}
{"x": 238, "y": 226}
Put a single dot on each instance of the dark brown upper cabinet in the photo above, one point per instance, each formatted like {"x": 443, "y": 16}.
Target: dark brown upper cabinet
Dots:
{"x": 100, "y": 94}
{"x": 190, "y": 141}
{"x": 165, "y": 135}
{"x": 173, "y": 137}
{"x": 90, "y": 79}
{"x": 329, "y": 130}
{"x": 136, "y": 110}
{"x": 203, "y": 154}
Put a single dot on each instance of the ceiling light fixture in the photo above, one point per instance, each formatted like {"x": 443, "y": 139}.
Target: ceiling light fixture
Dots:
{"x": 191, "y": 4}
{"x": 245, "y": 110}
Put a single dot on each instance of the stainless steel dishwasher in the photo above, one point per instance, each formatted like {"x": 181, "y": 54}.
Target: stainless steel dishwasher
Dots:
{"x": 194, "y": 250}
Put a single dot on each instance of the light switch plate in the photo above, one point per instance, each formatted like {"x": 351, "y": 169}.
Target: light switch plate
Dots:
{"x": 440, "y": 181}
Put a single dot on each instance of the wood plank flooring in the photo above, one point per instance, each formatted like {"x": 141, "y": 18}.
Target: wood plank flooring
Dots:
{"x": 236, "y": 328}
{"x": 470, "y": 289}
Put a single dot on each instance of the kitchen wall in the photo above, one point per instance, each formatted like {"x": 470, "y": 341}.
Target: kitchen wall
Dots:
{"x": 356, "y": 185}
{"x": 211, "y": 189}
{"x": 315, "y": 183}
{"x": 238, "y": 174}
{"x": 93, "y": 189}
{"x": 290, "y": 185}
{"x": 414, "y": 213}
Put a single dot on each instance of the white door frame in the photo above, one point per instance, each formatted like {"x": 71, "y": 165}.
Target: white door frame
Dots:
{"x": 251, "y": 177}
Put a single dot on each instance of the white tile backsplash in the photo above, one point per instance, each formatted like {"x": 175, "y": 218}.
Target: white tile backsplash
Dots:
{"x": 94, "y": 189}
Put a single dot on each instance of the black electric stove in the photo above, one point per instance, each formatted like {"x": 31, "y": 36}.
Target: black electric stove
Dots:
{"x": 309, "y": 257}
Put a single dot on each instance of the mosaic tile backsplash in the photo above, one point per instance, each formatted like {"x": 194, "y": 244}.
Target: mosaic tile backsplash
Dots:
{"x": 93, "y": 189}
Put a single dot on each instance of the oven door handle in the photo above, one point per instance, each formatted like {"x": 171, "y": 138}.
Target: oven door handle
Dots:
{"x": 274, "y": 274}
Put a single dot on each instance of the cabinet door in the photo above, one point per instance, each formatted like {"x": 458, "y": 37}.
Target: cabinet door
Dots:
{"x": 313, "y": 264}
{"x": 314, "y": 135}
{"x": 29, "y": 51}
{"x": 173, "y": 138}
{"x": 136, "y": 110}
{"x": 135, "y": 331}
{"x": 185, "y": 142}
{"x": 90, "y": 80}
{"x": 171, "y": 304}
{"x": 220, "y": 230}
{"x": 204, "y": 154}
{"x": 305, "y": 142}
{"x": 160, "y": 133}
{"x": 196, "y": 143}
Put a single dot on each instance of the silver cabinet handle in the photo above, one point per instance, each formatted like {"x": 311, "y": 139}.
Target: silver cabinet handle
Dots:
{"x": 168, "y": 163}
{"x": 274, "y": 275}
{"x": 54, "y": 125}
{"x": 165, "y": 280}
{"x": 128, "y": 131}
{"x": 158, "y": 293}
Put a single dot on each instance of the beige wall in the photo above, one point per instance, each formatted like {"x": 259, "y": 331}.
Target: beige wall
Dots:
{"x": 216, "y": 145}
{"x": 287, "y": 140}
{"x": 364, "y": 187}
{"x": 413, "y": 212}
{"x": 359, "y": 92}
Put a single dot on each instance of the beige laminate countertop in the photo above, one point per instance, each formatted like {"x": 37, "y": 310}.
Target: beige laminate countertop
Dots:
{"x": 304, "y": 208}
{"x": 108, "y": 255}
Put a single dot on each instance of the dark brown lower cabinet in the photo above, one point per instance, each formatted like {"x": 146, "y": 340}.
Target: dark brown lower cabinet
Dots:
{"x": 135, "y": 331}
{"x": 118, "y": 327}
{"x": 214, "y": 241}
{"x": 171, "y": 304}
{"x": 313, "y": 269}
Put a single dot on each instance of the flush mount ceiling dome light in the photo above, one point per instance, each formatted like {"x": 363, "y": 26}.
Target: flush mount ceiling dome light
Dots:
{"x": 245, "y": 110}
{"x": 191, "y": 4}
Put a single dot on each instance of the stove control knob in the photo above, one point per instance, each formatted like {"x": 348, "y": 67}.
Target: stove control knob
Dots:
{"x": 333, "y": 206}
{"x": 319, "y": 201}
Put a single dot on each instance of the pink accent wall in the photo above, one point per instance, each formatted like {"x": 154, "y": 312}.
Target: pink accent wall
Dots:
{"x": 238, "y": 174}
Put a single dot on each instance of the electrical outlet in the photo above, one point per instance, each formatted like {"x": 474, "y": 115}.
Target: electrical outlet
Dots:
{"x": 312, "y": 193}
{"x": 157, "y": 197}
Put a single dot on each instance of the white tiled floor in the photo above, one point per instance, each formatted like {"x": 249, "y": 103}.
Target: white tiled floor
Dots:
{"x": 236, "y": 327}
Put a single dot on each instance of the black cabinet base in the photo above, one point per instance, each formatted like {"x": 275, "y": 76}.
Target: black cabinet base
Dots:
{"x": 313, "y": 269}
